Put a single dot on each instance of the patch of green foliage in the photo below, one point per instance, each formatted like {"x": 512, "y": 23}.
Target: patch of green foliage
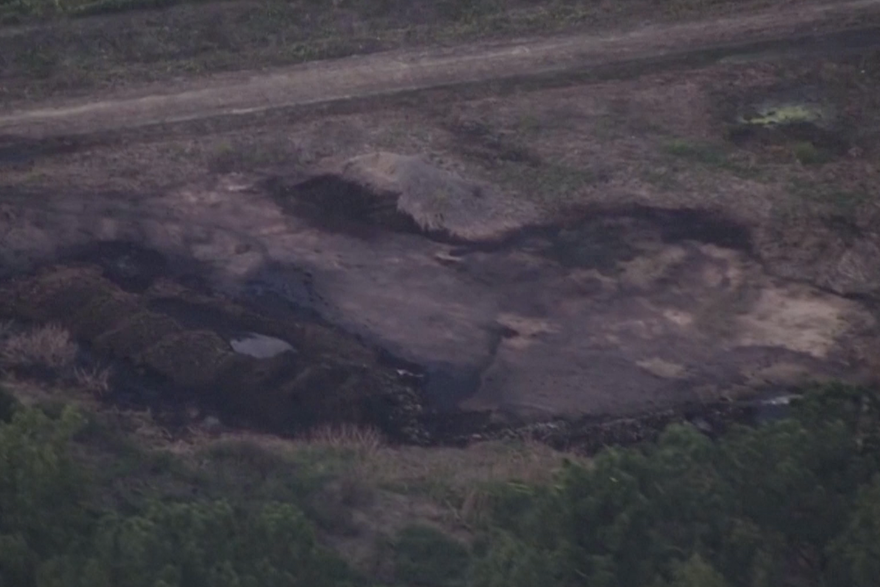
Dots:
{"x": 8, "y": 405}
{"x": 699, "y": 153}
{"x": 54, "y": 533}
{"x": 707, "y": 155}
{"x": 807, "y": 153}
{"x": 425, "y": 556}
{"x": 842, "y": 201}
{"x": 795, "y": 502}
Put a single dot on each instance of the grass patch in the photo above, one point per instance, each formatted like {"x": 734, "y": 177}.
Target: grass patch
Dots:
{"x": 703, "y": 154}
{"x": 549, "y": 184}
{"x": 241, "y": 155}
{"x": 708, "y": 155}
{"x": 807, "y": 153}
{"x": 8, "y": 405}
{"x": 842, "y": 201}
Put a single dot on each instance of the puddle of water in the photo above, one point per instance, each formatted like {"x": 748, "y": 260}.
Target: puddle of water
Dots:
{"x": 770, "y": 114}
{"x": 260, "y": 346}
{"x": 276, "y": 288}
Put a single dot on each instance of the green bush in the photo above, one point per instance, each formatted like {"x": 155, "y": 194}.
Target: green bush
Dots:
{"x": 808, "y": 154}
{"x": 206, "y": 544}
{"x": 425, "y": 556}
{"x": 8, "y": 405}
{"x": 50, "y": 536}
{"x": 741, "y": 512}
{"x": 42, "y": 493}
{"x": 795, "y": 502}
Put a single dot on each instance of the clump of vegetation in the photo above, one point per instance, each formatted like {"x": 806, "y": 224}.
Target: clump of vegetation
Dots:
{"x": 48, "y": 347}
{"x": 707, "y": 155}
{"x": 840, "y": 200}
{"x": 796, "y": 502}
{"x": 699, "y": 153}
{"x": 426, "y": 556}
{"x": 54, "y": 533}
{"x": 788, "y": 503}
{"x": 807, "y": 153}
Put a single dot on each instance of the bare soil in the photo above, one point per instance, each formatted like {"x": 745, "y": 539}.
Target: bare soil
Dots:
{"x": 667, "y": 256}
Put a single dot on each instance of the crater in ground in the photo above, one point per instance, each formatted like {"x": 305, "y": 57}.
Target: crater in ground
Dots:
{"x": 616, "y": 312}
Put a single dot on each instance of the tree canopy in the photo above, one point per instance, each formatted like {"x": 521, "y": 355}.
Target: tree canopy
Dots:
{"x": 795, "y": 502}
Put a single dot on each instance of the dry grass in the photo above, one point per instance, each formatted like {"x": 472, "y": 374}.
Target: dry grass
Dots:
{"x": 457, "y": 482}
{"x": 47, "y": 346}
{"x": 438, "y": 199}
{"x": 94, "y": 380}
{"x": 462, "y": 481}
{"x": 363, "y": 441}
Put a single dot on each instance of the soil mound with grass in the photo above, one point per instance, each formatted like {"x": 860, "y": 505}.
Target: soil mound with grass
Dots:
{"x": 326, "y": 377}
{"x": 403, "y": 193}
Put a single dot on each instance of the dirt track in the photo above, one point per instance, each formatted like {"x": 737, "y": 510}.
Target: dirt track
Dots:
{"x": 391, "y": 73}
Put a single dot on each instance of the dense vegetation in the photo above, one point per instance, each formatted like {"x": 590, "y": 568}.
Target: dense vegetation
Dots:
{"x": 795, "y": 502}
{"x": 52, "y": 533}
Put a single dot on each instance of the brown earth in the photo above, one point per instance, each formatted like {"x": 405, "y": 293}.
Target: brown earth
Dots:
{"x": 627, "y": 255}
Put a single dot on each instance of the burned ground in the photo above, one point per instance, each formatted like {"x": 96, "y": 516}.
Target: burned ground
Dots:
{"x": 622, "y": 245}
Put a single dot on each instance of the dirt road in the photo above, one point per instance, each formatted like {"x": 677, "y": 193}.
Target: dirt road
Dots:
{"x": 391, "y": 73}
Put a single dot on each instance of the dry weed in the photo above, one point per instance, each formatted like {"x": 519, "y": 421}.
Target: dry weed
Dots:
{"x": 364, "y": 441}
{"x": 95, "y": 380}
{"x": 463, "y": 480}
{"x": 46, "y": 346}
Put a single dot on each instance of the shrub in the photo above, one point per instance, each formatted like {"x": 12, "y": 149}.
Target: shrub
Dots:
{"x": 748, "y": 511}
{"x": 807, "y": 154}
{"x": 425, "y": 556}
{"x": 51, "y": 537}
{"x": 41, "y": 493}
{"x": 8, "y": 405}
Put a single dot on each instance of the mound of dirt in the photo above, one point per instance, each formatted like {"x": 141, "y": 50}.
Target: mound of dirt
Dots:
{"x": 326, "y": 377}
{"x": 405, "y": 193}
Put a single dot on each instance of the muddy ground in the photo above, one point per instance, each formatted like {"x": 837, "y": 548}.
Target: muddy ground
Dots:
{"x": 444, "y": 265}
